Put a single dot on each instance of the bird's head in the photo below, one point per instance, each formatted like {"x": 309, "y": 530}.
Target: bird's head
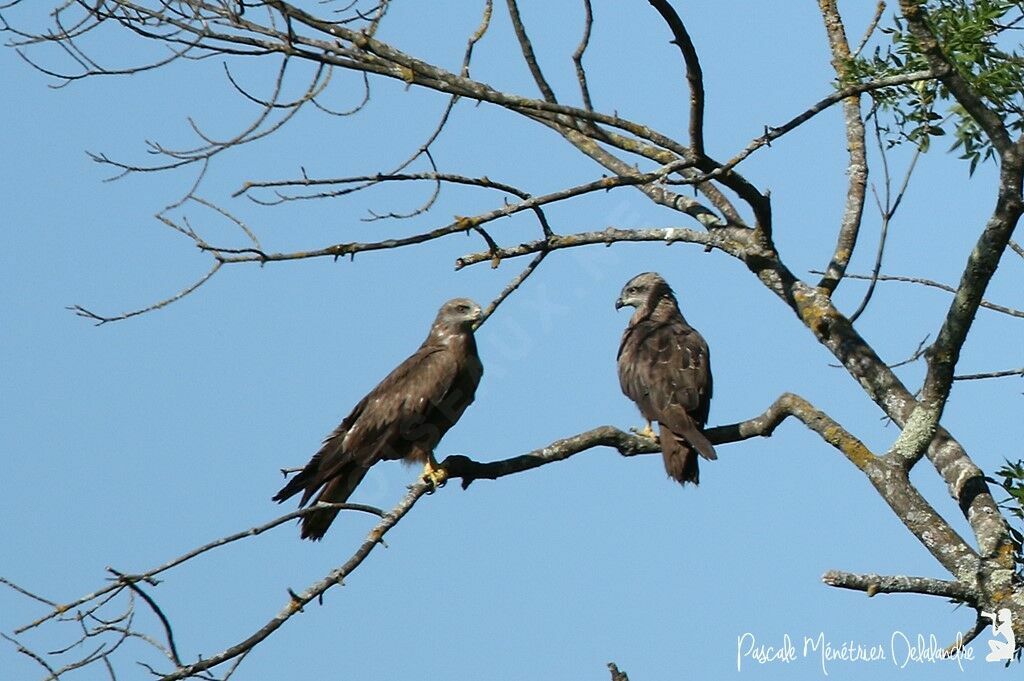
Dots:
{"x": 460, "y": 313}
{"x": 643, "y": 290}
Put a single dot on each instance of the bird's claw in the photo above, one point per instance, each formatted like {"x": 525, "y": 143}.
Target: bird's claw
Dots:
{"x": 646, "y": 432}
{"x": 436, "y": 478}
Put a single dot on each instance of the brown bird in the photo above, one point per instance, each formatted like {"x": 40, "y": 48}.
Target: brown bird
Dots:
{"x": 664, "y": 367}
{"x": 404, "y": 417}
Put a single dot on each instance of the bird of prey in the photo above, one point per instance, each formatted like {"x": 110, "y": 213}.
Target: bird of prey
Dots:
{"x": 665, "y": 369}
{"x": 404, "y": 417}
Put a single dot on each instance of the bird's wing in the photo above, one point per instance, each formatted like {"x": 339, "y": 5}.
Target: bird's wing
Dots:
{"x": 393, "y": 408}
{"x": 665, "y": 368}
{"x": 398, "y": 411}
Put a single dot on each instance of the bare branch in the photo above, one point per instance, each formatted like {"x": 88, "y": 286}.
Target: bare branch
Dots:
{"x": 101, "y": 320}
{"x": 26, "y": 592}
{"x": 857, "y": 168}
{"x": 694, "y": 74}
{"x": 901, "y": 584}
{"x": 29, "y": 653}
{"x": 528, "y": 55}
{"x": 365, "y": 181}
{"x": 577, "y": 56}
{"x": 164, "y": 622}
{"x": 314, "y": 591}
{"x": 607, "y": 237}
{"x": 887, "y": 212}
{"x": 934, "y": 284}
{"x": 989, "y": 374}
{"x": 872, "y": 26}
{"x": 511, "y": 287}
{"x": 773, "y": 133}
{"x": 1017, "y": 248}
{"x": 460, "y": 225}
{"x": 628, "y": 444}
{"x": 887, "y": 476}
{"x": 149, "y": 575}
{"x": 964, "y": 480}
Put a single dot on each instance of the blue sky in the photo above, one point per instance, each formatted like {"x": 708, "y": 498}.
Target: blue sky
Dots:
{"x": 130, "y": 443}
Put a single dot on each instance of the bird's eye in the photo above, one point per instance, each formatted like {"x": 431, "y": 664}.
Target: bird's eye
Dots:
{"x": 463, "y": 308}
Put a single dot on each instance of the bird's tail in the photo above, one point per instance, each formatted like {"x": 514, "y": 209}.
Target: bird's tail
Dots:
{"x": 337, "y": 491}
{"x": 680, "y": 450}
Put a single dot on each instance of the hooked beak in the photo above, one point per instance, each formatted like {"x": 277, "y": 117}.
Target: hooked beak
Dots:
{"x": 619, "y": 304}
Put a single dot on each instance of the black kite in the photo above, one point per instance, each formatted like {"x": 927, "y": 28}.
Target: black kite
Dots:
{"x": 664, "y": 367}
{"x": 404, "y": 417}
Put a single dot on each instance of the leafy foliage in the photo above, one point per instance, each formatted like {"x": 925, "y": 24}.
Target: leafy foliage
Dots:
{"x": 978, "y": 38}
{"x": 1011, "y": 479}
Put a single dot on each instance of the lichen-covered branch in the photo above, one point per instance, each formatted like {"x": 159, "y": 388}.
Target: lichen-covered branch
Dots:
{"x": 889, "y": 479}
{"x": 724, "y": 239}
{"x": 901, "y": 584}
{"x": 857, "y": 167}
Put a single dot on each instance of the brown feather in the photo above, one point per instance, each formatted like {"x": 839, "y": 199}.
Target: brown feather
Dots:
{"x": 403, "y": 417}
{"x": 665, "y": 368}
{"x": 680, "y": 462}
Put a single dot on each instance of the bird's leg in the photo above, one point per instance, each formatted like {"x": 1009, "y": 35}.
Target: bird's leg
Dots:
{"x": 647, "y": 432}
{"x": 433, "y": 473}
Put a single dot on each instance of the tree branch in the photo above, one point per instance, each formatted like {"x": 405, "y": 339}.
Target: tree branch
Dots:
{"x": 60, "y": 609}
{"x": 990, "y": 374}
{"x": 577, "y": 56}
{"x": 917, "y": 20}
{"x": 901, "y": 584}
{"x": 981, "y": 266}
{"x": 724, "y": 239}
{"x": 857, "y": 168}
{"x": 694, "y": 74}
{"x": 299, "y": 600}
{"x": 889, "y": 479}
{"x": 528, "y": 55}
{"x": 934, "y": 284}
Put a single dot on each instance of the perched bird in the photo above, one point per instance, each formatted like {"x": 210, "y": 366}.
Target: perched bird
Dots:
{"x": 665, "y": 369}
{"x": 404, "y": 417}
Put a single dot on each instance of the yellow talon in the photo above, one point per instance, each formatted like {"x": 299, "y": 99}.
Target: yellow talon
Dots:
{"x": 434, "y": 474}
{"x": 647, "y": 432}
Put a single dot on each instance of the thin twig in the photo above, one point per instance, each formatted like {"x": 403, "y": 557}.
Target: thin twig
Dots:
{"x": 316, "y": 590}
{"x": 887, "y": 213}
{"x": 511, "y": 287}
{"x": 101, "y": 319}
{"x": 577, "y": 56}
{"x": 933, "y": 284}
{"x": 872, "y": 26}
{"x": 528, "y": 55}
{"x": 147, "y": 576}
{"x": 989, "y": 374}
{"x": 168, "y": 631}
